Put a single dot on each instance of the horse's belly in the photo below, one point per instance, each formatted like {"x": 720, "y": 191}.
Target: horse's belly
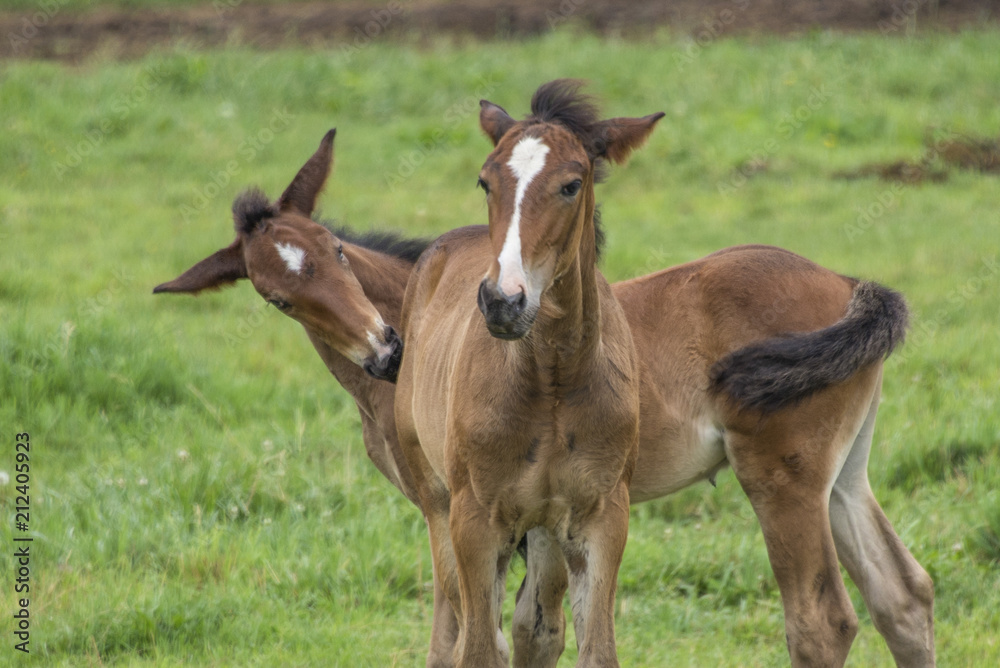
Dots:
{"x": 677, "y": 458}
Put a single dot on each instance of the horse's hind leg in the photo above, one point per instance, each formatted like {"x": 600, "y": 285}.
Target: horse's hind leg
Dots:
{"x": 787, "y": 484}
{"x": 897, "y": 591}
{"x": 539, "y": 623}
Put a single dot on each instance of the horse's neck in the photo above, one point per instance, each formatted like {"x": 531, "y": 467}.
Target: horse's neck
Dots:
{"x": 360, "y": 385}
{"x": 382, "y": 277}
{"x": 567, "y": 333}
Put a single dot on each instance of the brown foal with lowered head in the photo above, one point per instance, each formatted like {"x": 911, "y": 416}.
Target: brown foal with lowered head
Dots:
{"x": 531, "y": 421}
{"x": 339, "y": 286}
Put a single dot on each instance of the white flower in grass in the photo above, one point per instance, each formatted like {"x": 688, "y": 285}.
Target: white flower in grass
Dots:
{"x": 4, "y": 477}
{"x": 183, "y": 455}
{"x": 143, "y": 482}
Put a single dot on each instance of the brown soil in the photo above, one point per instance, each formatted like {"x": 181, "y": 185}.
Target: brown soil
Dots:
{"x": 123, "y": 33}
{"x": 901, "y": 170}
{"x": 971, "y": 153}
{"x": 974, "y": 153}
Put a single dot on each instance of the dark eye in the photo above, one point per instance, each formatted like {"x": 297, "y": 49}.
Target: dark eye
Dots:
{"x": 340, "y": 251}
{"x": 279, "y": 303}
{"x": 482, "y": 184}
{"x": 572, "y": 188}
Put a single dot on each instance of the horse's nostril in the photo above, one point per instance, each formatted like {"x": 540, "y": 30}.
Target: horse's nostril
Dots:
{"x": 483, "y": 298}
{"x": 502, "y": 311}
{"x": 516, "y": 302}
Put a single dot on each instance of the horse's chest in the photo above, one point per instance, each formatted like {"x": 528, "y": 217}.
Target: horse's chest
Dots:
{"x": 533, "y": 464}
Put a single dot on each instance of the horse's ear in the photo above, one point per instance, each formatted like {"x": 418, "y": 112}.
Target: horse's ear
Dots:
{"x": 616, "y": 138}
{"x": 301, "y": 194}
{"x": 494, "y": 120}
{"x": 218, "y": 270}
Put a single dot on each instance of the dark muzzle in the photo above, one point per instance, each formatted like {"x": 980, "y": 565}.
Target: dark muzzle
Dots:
{"x": 506, "y": 315}
{"x": 387, "y": 366}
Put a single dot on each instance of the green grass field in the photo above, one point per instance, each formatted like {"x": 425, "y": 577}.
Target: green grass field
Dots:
{"x": 199, "y": 490}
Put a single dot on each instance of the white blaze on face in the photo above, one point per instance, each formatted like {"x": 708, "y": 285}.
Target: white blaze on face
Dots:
{"x": 293, "y": 256}
{"x": 526, "y": 161}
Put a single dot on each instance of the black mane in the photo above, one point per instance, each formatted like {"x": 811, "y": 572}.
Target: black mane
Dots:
{"x": 251, "y": 207}
{"x": 390, "y": 243}
{"x": 598, "y": 233}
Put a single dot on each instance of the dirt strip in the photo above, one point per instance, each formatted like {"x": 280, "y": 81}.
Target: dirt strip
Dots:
{"x": 53, "y": 33}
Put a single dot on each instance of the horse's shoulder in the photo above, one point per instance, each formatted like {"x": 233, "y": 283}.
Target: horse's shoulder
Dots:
{"x": 452, "y": 252}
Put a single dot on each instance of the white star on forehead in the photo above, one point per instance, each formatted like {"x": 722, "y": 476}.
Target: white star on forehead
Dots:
{"x": 293, "y": 256}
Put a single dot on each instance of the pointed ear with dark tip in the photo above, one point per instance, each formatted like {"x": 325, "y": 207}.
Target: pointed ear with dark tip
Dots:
{"x": 216, "y": 271}
{"x": 301, "y": 194}
{"x": 494, "y": 120}
{"x": 616, "y": 138}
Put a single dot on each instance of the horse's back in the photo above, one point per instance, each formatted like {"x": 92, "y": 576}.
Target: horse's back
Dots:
{"x": 732, "y": 298}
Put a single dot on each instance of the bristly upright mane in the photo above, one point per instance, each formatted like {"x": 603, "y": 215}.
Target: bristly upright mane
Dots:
{"x": 250, "y": 208}
{"x": 561, "y": 102}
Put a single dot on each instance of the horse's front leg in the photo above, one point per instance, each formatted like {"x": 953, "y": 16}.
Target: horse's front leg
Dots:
{"x": 445, "y": 622}
{"x": 482, "y": 553}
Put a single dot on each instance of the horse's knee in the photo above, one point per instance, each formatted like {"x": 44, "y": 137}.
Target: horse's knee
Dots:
{"x": 823, "y": 644}
{"x": 521, "y": 625}
{"x": 921, "y": 587}
{"x": 907, "y": 621}
{"x": 924, "y": 588}
{"x": 539, "y": 638}
{"x": 847, "y": 629}
{"x": 438, "y": 660}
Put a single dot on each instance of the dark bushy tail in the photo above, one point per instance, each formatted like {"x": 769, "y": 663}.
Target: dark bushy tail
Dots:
{"x": 775, "y": 373}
